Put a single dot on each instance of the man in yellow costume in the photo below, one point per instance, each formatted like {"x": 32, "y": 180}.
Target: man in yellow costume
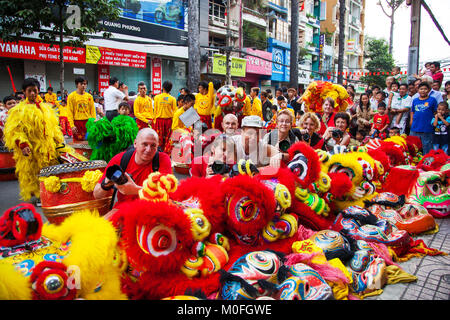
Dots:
{"x": 50, "y": 96}
{"x": 81, "y": 108}
{"x": 256, "y": 106}
{"x": 32, "y": 131}
{"x": 164, "y": 108}
{"x": 204, "y": 102}
{"x": 143, "y": 108}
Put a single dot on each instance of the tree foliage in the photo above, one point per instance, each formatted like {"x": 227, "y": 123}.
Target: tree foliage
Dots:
{"x": 378, "y": 60}
{"x": 254, "y": 37}
{"x": 21, "y": 18}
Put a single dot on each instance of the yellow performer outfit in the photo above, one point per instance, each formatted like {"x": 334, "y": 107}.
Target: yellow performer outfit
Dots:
{"x": 33, "y": 125}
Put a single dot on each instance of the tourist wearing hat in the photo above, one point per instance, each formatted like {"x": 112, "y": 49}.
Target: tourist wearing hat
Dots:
{"x": 250, "y": 145}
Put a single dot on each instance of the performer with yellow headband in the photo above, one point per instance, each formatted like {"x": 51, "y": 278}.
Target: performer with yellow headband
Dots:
{"x": 32, "y": 131}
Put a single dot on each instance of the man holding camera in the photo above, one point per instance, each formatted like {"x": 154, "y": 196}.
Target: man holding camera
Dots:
{"x": 338, "y": 135}
{"x": 127, "y": 171}
{"x": 219, "y": 161}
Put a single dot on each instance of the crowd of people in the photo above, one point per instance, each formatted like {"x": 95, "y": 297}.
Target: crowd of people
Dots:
{"x": 265, "y": 126}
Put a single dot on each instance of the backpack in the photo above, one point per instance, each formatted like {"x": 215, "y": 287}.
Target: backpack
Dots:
{"x": 125, "y": 160}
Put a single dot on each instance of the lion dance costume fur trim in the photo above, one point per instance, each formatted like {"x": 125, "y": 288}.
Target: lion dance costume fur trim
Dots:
{"x": 36, "y": 126}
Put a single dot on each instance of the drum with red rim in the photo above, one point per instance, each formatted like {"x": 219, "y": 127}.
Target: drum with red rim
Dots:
{"x": 7, "y": 164}
{"x": 66, "y": 192}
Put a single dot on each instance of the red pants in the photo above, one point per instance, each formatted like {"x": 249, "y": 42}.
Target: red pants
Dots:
{"x": 81, "y": 127}
{"x": 207, "y": 120}
{"x": 141, "y": 124}
{"x": 163, "y": 127}
{"x": 218, "y": 122}
{"x": 65, "y": 126}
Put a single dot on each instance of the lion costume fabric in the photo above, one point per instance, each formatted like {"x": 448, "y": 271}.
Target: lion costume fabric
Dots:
{"x": 35, "y": 126}
{"x": 110, "y": 138}
{"x": 79, "y": 259}
{"x": 318, "y": 91}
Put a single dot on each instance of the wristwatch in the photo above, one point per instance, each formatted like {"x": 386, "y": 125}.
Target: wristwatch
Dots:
{"x": 105, "y": 186}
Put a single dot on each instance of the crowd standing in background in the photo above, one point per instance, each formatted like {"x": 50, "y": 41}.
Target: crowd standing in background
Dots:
{"x": 416, "y": 108}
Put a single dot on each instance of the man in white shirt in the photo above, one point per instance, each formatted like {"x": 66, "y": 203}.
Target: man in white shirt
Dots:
{"x": 113, "y": 97}
{"x": 401, "y": 108}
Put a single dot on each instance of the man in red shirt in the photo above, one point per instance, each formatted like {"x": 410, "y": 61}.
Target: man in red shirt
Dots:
{"x": 138, "y": 169}
{"x": 436, "y": 73}
{"x": 380, "y": 122}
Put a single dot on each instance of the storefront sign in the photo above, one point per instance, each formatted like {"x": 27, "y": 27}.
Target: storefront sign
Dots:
{"x": 156, "y": 75}
{"x": 304, "y": 77}
{"x": 321, "y": 44}
{"x": 40, "y": 51}
{"x": 257, "y": 65}
{"x": 237, "y": 66}
{"x": 351, "y": 45}
{"x": 103, "y": 78}
{"x": 115, "y": 57}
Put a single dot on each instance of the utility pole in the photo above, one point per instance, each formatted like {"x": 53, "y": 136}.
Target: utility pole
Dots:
{"x": 293, "y": 77}
{"x": 342, "y": 11}
{"x": 228, "y": 47}
{"x": 193, "y": 45}
{"x": 413, "y": 55}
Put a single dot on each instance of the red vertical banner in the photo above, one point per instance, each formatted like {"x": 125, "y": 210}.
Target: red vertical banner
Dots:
{"x": 103, "y": 78}
{"x": 156, "y": 75}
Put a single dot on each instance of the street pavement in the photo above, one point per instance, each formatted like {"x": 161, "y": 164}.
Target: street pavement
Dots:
{"x": 433, "y": 273}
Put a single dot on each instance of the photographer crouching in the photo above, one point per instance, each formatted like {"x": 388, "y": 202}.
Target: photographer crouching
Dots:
{"x": 127, "y": 171}
{"x": 338, "y": 135}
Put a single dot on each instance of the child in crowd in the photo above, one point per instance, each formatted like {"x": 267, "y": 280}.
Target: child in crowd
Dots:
{"x": 8, "y": 103}
{"x": 394, "y": 103}
{"x": 360, "y": 139}
{"x": 185, "y": 102}
{"x": 63, "y": 112}
{"x": 394, "y": 131}
{"x": 124, "y": 108}
{"x": 379, "y": 97}
{"x": 380, "y": 122}
{"x": 100, "y": 112}
{"x": 441, "y": 123}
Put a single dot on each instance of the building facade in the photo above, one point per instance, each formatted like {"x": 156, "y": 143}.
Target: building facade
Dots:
{"x": 354, "y": 34}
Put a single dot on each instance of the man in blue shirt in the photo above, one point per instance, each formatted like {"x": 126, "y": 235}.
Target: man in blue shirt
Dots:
{"x": 422, "y": 112}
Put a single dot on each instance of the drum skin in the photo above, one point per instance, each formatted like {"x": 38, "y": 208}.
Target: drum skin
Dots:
{"x": 82, "y": 147}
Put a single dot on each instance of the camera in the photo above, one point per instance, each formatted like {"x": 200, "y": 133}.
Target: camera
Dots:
{"x": 284, "y": 145}
{"x": 116, "y": 175}
{"x": 337, "y": 134}
{"x": 306, "y": 136}
{"x": 219, "y": 167}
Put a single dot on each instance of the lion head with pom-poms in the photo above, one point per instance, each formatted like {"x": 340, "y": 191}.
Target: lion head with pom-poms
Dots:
{"x": 318, "y": 91}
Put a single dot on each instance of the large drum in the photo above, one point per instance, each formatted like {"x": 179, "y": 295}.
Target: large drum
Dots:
{"x": 66, "y": 188}
{"x": 7, "y": 164}
{"x": 82, "y": 147}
